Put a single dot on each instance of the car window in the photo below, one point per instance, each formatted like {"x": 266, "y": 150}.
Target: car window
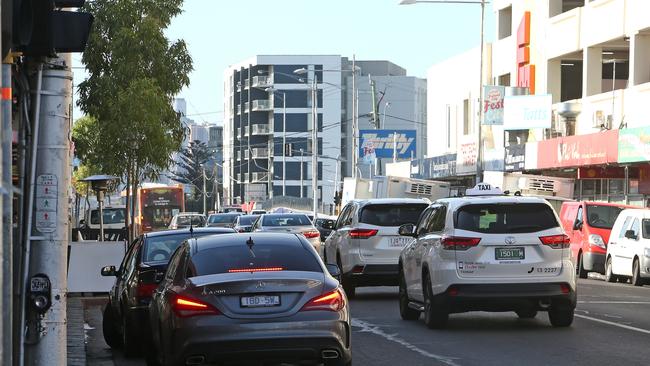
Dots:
{"x": 132, "y": 261}
{"x": 602, "y": 217}
{"x": 424, "y": 220}
{"x": 222, "y": 219}
{"x": 173, "y": 265}
{"x": 110, "y": 216}
{"x": 235, "y": 258}
{"x": 246, "y": 220}
{"x": 645, "y": 228}
{"x": 160, "y": 248}
{"x": 128, "y": 254}
{"x": 437, "y": 221}
{"x": 285, "y": 220}
{"x": 636, "y": 227}
{"x": 579, "y": 217}
{"x": 503, "y": 218}
{"x": 391, "y": 214}
{"x": 343, "y": 217}
{"x": 185, "y": 220}
{"x": 624, "y": 227}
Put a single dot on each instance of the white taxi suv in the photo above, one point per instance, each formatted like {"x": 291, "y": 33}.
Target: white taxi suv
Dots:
{"x": 487, "y": 252}
{"x": 365, "y": 242}
{"x": 628, "y": 250}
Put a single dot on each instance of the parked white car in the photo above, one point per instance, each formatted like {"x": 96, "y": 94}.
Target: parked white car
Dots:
{"x": 365, "y": 242}
{"x": 628, "y": 250}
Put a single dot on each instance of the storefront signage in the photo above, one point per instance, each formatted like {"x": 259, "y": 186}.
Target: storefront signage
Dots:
{"x": 436, "y": 167}
{"x": 523, "y": 112}
{"x": 634, "y": 144}
{"x": 381, "y": 143}
{"x": 571, "y": 151}
{"x": 525, "y": 70}
{"x": 493, "y": 104}
{"x": 515, "y": 159}
{"x": 467, "y": 155}
{"x": 609, "y": 172}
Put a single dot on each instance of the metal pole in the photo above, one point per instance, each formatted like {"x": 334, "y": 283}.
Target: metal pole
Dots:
{"x": 205, "y": 194}
{"x": 394, "y": 146}
{"x": 284, "y": 144}
{"x": 301, "y": 173}
{"x": 314, "y": 152}
{"x": 355, "y": 126}
{"x": 479, "y": 157}
{"x": 6, "y": 305}
{"x": 100, "y": 203}
{"x": 49, "y": 255}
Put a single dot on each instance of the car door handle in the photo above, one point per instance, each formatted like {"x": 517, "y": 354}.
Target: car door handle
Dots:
{"x": 612, "y": 243}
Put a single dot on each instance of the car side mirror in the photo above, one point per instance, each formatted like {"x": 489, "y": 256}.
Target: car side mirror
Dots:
{"x": 630, "y": 234}
{"x": 109, "y": 271}
{"x": 328, "y": 225}
{"x": 334, "y": 271}
{"x": 407, "y": 230}
{"x": 158, "y": 277}
{"x": 82, "y": 222}
{"x": 577, "y": 225}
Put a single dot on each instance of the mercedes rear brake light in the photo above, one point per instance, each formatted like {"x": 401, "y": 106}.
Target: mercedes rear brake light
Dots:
{"x": 331, "y": 301}
{"x": 458, "y": 243}
{"x": 363, "y": 233}
{"x": 185, "y": 307}
{"x": 263, "y": 269}
{"x": 556, "y": 241}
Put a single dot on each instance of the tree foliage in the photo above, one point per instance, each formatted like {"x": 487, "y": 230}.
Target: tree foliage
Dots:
{"x": 189, "y": 164}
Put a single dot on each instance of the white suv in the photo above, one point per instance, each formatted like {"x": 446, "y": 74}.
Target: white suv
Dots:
{"x": 487, "y": 253}
{"x": 365, "y": 242}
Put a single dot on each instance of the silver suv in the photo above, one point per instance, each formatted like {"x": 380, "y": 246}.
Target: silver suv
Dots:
{"x": 365, "y": 242}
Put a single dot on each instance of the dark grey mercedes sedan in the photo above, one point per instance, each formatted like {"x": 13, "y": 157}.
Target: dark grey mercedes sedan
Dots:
{"x": 249, "y": 297}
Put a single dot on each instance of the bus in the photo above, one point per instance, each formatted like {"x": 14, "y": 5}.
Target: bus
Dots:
{"x": 156, "y": 206}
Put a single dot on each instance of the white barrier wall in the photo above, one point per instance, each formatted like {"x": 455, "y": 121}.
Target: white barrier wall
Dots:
{"x": 86, "y": 261}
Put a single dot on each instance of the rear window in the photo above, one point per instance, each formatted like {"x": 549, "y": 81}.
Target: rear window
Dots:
{"x": 506, "y": 218}
{"x": 229, "y": 258}
{"x": 222, "y": 219}
{"x": 391, "y": 214}
{"x": 185, "y": 220}
{"x": 160, "y": 248}
{"x": 602, "y": 217}
{"x": 285, "y": 220}
{"x": 247, "y": 220}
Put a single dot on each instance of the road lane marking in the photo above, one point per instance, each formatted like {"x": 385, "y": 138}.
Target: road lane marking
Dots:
{"x": 371, "y": 328}
{"x": 615, "y": 302}
{"x": 628, "y": 327}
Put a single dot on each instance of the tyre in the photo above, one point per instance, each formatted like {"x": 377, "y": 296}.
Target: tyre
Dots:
{"x": 609, "y": 276}
{"x": 405, "y": 311}
{"x": 151, "y": 354}
{"x": 130, "y": 343}
{"x": 636, "y": 274}
{"x": 109, "y": 328}
{"x": 528, "y": 313}
{"x": 580, "y": 268}
{"x": 560, "y": 315}
{"x": 347, "y": 284}
{"x": 338, "y": 363}
{"x": 435, "y": 316}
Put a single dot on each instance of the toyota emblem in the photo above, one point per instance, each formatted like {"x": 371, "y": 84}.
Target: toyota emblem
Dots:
{"x": 510, "y": 240}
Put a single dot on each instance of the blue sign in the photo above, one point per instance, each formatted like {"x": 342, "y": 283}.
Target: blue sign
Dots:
{"x": 381, "y": 143}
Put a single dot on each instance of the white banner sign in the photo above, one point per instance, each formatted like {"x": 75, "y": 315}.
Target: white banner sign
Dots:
{"x": 523, "y": 112}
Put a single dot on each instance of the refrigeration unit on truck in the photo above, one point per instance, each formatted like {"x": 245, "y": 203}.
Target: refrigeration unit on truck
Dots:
{"x": 393, "y": 187}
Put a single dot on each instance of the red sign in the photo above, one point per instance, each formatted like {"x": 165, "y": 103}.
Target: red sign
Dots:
{"x": 571, "y": 151}
{"x": 525, "y": 70}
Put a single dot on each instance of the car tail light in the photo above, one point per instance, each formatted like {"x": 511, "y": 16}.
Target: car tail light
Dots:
{"x": 452, "y": 291}
{"x": 185, "y": 307}
{"x": 311, "y": 234}
{"x": 264, "y": 269}
{"x": 362, "y": 233}
{"x": 357, "y": 269}
{"x": 331, "y": 301}
{"x": 565, "y": 288}
{"x": 556, "y": 241}
{"x": 145, "y": 290}
{"x": 458, "y": 243}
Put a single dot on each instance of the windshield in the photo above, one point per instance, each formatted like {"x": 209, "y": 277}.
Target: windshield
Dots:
{"x": 392, "y": 214}
{"x": 504, "y": 218}
{"x": 160, "y": 248}
{"x": 222, "y": 219}
{"x": 285, "y": 220}
{"x": 185, "y": 220}
{"x": 645, "y": 228}
{"x": 602, "y": 217}
{"x": 247, "y": 220}
{"x": 111, "y": 216}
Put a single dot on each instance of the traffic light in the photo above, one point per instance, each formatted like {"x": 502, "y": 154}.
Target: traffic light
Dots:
{"x": 39, "y": 28}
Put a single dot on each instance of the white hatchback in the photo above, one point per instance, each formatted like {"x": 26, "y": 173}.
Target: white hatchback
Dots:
{"x": 628, "y": 250}
{"x": 487, "y": 253}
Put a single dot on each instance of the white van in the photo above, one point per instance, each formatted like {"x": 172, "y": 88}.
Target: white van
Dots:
{"x": 628, "y": 250}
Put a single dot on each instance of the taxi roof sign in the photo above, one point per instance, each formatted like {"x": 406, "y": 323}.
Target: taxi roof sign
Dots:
{"x": 484, "y": 189}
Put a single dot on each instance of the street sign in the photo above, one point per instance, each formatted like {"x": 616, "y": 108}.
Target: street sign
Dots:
{"x": 47, "y": 189}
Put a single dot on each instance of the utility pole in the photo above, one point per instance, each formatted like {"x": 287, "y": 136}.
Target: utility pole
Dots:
{"x": 205, "y": 194}
{"x": 355, "y": 124}
{"x": 284, "y": 144}
{"x": 314, "y": 144}
{"x": 375, "y": 119}
{"x": 479, "y": 155}
{"x": 301, "y": 172}
{"x": 49, "y": 236}
{"x": 6, "y": 251}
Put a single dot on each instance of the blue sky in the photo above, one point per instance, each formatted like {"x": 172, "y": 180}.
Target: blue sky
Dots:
{"x": 223, "y": 32}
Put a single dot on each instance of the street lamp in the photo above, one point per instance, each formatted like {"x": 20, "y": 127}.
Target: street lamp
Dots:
{"x": 479, "y": 158}
{"x": 100, "y": 184}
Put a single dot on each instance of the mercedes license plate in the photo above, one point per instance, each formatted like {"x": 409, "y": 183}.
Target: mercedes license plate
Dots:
{"x": 509, "y": 253}
{"x": 260, "y": 301}
{"x": 398, "y": 241}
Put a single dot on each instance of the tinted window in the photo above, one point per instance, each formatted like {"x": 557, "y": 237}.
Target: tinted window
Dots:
{"x": 285, "y": 220}
{"x": 222, "y": 219}
{"x": 626, "y": 223}
{"x": 235, "y": 257}
{"x": 111, "y": 216}
{"x": 506, "y": 218}
{"x": 392, "y": 214}
{"x": 645, "y": 225}
{"x": 247, "y": 220}
{"x": 160, "y": 248}
{"x": 185, "y": 220}
{"x": 437, "y": 222}
{"x": 602, "y": 216}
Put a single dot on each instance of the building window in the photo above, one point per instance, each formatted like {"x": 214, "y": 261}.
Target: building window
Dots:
{"x": 505, "y": 22}
{"x": 556, "y": 7}
{"x": 467, "y": 126}
{"x": 504, "y": 80}
{"x": 296, "y": 122}
{"x": 283, "y": 74}
{"x": 571, "y": 80}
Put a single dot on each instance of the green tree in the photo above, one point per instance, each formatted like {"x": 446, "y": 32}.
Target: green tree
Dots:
{"x": 134, "y": 72}
{"x": 188, "y": 168}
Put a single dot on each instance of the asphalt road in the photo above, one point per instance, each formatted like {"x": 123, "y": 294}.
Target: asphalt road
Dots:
{"x": 612, "y": 326}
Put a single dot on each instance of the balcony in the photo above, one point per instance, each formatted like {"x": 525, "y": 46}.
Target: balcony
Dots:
{"x": 260, "y": 153}
{"x": 259, "y": 177}
{"x": 247, "y": 84}
{"x": 247, "y": 106}
{"x": 262, "y": 81}
{"x": 261, "y": 130}
{"x": 563, "y": 35}
{"x": 603, "y": 20}
{"x": 238, "y": 108}
{"x": 238, "y": 132}
{"x": 262, "y": 105}
{"x": 246, "y": 131}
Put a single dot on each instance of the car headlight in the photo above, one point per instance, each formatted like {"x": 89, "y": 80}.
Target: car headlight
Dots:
{"x": 597, "y": 240}
{"x": 646, "y": 252}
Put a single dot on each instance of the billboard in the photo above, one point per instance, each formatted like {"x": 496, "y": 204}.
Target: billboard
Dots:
{"x": 493, "y": 104}
{"x": 523, "y": 112}
{"x": 380, "y": 144}
{"x": 634, "y": 145}
{"x": 592, "y": 149}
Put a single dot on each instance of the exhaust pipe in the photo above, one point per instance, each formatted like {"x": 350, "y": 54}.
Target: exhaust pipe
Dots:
{"x": 329, "y": 354}
{"x": 195, "y": 360}
{"x": 544, "y": 304}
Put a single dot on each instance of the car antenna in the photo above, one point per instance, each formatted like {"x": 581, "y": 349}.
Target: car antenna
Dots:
{"x": 250, "y": 244}
{"x": 191, "y": 229}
